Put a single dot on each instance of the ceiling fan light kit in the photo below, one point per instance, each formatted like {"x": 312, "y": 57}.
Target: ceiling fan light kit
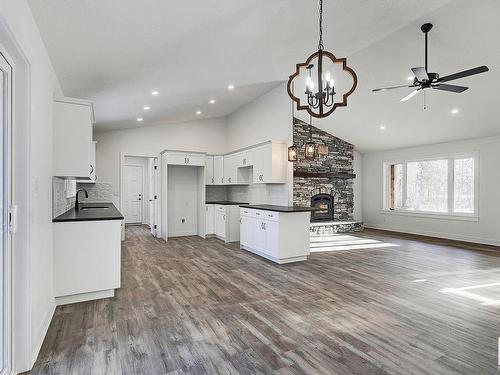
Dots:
{"x": 425, "y": 80}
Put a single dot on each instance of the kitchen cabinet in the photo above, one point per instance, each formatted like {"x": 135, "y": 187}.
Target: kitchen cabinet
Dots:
{"x": 269, "y": 164}
{"x": 87, "y": 260}
{"x": 219, "y": 169}
{"x": 220, "y": 224}
{"x": 244, "y": 158}
{"x": 230, "y": 170}
{"x": 184, "y": 158}
{"x": 209, "y": 170}
{"x": 93, "y": 172}
{"x": 282, "y": 237}
{"x": 73, "y": 121}
{"x": 227, "y": 226}
{"x": 209, "y": 219}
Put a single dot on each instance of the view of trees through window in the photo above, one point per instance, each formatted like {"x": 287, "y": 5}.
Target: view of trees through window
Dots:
{"x": 424, "y": 185}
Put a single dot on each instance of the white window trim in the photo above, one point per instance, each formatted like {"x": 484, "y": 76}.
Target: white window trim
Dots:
{"x": 450, "y": 215}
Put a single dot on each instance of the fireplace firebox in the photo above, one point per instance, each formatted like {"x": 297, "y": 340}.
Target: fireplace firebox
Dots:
{"x": 325, "y": 204}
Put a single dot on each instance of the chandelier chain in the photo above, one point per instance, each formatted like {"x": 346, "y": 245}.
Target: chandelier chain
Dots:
{"x": 320, "y": 44}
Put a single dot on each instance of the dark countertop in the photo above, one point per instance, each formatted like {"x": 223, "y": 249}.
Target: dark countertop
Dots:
{"x": 226, "y": 203}
{"x": 270, "y": 207}
{"x": 90, "y": 214}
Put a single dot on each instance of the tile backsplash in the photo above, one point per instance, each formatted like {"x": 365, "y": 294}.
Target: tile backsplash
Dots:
{"x": 254, "y": 193}
{"x": 98, "y": 192}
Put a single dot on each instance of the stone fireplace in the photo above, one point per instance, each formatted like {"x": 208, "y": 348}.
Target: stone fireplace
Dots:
{"x": 330, "y": 173}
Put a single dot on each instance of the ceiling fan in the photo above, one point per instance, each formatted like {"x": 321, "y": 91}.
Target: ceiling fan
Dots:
{"x": 424, "y": 80}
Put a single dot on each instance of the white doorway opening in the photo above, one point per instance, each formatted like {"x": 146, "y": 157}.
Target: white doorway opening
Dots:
{"x": 133, "y": 194}
{"x": 139, "y": 191}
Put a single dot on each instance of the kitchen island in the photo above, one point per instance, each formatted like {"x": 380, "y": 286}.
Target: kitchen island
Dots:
{"x": 87, "y": 253}
{"x": 278, "y": 233}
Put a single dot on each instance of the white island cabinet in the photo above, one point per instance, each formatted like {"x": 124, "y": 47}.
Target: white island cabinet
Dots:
{"x": 277, "y": 233}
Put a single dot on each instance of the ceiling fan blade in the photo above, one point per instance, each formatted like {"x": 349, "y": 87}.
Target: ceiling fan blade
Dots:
{"x": 410, "y": 95}
{"x": 452, "y": 88}
{"x": 420, "y": 73}
{"x": 465, "y": 73}
{"x": 391, "y": 88}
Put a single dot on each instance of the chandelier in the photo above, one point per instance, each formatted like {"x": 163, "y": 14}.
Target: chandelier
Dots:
{"x": 319, "y": 98}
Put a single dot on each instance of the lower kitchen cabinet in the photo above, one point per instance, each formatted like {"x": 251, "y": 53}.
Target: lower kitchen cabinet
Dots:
{"x": 209, "y": 219}
{"x": 222, "y": 221}
{"x": 277, "y": 236}
{"x": 87, "y": 260}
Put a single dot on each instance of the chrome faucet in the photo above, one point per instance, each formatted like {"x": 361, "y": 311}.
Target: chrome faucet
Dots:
{"x": 77, "y": 204}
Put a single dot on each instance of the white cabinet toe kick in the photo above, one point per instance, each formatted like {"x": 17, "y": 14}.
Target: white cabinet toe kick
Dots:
{"x": 282, "y": 237}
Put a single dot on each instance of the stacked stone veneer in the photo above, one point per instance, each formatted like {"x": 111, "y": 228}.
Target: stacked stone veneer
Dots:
{"x": 338, "y": 160}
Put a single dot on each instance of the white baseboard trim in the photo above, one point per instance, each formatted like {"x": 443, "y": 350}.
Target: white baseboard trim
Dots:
{"x": 38, "y": 341}
{"x": 75, "y": 298}
{"x": 448, "y": 236}
{"x": 183, "y": 233}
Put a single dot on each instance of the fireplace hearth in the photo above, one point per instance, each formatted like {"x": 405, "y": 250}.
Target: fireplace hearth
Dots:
{"x": 325, "y": 204}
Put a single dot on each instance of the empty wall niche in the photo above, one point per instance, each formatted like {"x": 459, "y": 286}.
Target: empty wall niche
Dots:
{"x": 184, "y": 198}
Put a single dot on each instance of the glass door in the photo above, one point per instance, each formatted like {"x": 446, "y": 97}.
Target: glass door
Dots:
{"x": 5, "y": 117}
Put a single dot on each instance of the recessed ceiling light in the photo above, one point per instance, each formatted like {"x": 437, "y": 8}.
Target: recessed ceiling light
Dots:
{"x": 230, "y": 87}
{"x": 382, "y": 127}
{"x": 147, "y": 108}
{"x": 140, "y": 119}
{"x": 411, "y": 78}
{"x": 198, "y": 112}
{"x": 454, "y": 111}
{"x": 154, "y": 93}
{"x": 212, "y": 101}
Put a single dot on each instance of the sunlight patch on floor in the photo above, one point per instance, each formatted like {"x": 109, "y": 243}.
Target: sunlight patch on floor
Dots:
{"x": 342, "y": 242}
{"x": 488, "y": 295}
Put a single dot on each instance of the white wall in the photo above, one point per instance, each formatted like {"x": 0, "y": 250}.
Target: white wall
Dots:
{"x": 357, "y": 186}
{"x": 204, "y": 136}
{"x": 21, "y": 40}
{"x": 266, "y": 118}
{"x": 486, "y": 230}
{"x": 182, "y": 195}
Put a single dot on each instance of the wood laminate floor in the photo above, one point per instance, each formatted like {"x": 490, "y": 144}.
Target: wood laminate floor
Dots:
{"x": 372, "y": 303}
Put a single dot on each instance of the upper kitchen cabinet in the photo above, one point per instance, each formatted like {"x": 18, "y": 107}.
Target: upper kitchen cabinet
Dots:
{"x": 93, "y": 173}
{"x": 209, "y": 170}
{"x": 269, "y": 163}
{"x": 218, "y": 169}
{"x": 185, "y": 158}
{"x": 73, "y": 120}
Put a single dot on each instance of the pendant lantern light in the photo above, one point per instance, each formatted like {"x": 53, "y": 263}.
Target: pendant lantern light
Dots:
{"x": 310, "y": 146}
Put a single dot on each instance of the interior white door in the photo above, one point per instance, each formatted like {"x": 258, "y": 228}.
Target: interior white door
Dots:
{"x": 5, "y": 181}
{"x": 133, "y": 193}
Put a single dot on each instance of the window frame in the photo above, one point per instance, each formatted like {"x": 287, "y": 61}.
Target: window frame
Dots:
{"x": 450, "y": 214}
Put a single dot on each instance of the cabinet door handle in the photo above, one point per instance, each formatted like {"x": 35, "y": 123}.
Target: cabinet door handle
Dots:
{"x": 212, "y": 180}
{"x": 229, "y": 179}
{"x": 91, "y": 169}
{"x": 240, "y": 221}
{"x": 244, "y": 161}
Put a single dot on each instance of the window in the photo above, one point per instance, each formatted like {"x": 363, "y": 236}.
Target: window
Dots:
{"x": 444, "y": 185}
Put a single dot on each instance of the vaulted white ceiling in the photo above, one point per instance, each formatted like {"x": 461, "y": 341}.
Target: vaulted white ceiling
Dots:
{"x": 115, "y": 52}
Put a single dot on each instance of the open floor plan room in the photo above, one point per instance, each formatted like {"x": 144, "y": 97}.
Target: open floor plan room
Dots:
{"x": 249, "y": 187}
{"x": 192, "y": 306}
